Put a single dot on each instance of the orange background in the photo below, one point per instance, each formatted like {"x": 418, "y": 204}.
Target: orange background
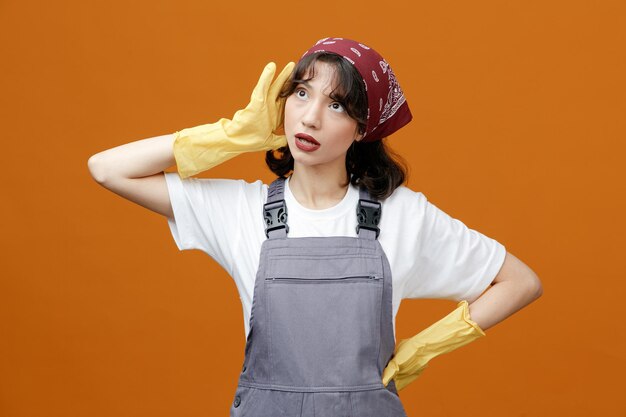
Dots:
{"x": 518, "y": 131}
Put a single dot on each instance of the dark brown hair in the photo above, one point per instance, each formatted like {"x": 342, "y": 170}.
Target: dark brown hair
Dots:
{"x": 373, "y": 165}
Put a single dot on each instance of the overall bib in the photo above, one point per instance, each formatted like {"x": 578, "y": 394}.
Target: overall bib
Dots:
{"x": 321, "y": 328}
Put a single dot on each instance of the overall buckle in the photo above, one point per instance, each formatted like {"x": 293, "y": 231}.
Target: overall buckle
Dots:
{"x": 275, "y": 214}
{"x": 367, "y": 216}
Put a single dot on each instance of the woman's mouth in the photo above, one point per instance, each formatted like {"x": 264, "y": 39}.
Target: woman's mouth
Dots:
{"x": 306, "y": 142}
{"x": 304, "y": 138}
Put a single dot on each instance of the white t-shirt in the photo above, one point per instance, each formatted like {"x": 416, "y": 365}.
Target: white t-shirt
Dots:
{"x": 431, "y": 254}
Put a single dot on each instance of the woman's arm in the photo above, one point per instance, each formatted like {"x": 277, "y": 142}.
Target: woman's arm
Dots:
{"x": 135, "y": 171}
{"x": 515, "y": 286}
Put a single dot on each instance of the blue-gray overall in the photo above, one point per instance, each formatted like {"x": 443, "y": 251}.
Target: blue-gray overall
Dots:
{"x": 321, "y": 322}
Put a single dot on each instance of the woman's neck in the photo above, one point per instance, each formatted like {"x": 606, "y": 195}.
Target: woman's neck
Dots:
{"x": 318, "y": 189}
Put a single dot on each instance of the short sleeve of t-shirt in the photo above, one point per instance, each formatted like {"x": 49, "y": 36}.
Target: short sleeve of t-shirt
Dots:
{"x": 205, "y": 216}
{"x": 452, "y": 261}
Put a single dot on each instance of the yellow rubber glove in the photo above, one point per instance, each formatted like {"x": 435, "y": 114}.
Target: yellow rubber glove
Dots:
{"x": 412, "y": 355}
{"x": 200, "y": 148}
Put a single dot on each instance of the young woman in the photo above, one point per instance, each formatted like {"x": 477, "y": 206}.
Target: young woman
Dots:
{"x": 323, "y": 256}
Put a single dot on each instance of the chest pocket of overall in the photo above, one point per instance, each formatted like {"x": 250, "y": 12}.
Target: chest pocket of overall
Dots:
{"x": 324, "y": 314}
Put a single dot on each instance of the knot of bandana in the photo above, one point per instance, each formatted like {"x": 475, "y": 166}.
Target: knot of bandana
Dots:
{"x": 387, "y": 109}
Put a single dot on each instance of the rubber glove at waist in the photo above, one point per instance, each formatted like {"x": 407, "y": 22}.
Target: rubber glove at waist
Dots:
{"x": 412, "y": 355}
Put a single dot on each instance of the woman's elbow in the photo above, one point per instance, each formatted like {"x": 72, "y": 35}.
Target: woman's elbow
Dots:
{"x": 535, "y": 286}
{"x": 96, "y": 168}
{"x": 521, "y": 275}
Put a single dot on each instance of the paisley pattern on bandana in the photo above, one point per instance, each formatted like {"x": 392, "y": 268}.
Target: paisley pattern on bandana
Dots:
{"x": 387, "y": 110}
{"x": 395, "y": 98}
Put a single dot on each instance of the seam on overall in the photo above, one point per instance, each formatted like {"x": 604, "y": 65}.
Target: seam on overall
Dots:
{"x": 352, "y": 412}
{"x": 269, "y": 332}
{"x": 251, "y": 394}
{"x": 278, "y": 247}
{"x": 383, "y": 309}
{"x": 380, "y": 321}
{"x": 370, "y": 268}
{"x": 307, "y": 255}
{"x": 286, "y": 258}
{"x": 291, "y": 388}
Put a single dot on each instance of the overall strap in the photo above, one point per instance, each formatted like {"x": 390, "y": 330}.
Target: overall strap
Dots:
{"x": 275, "y": 210}
{"x": 368, "y": 212}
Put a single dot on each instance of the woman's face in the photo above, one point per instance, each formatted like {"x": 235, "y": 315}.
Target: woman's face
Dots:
{"x": 311, "y": 111}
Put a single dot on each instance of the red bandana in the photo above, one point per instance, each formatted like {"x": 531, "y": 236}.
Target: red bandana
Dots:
{"x": 387, "y": 110}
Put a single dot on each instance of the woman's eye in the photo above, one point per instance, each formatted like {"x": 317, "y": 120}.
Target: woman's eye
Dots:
{"x": 301, "y": 95}
{"x": 337, "y": 106}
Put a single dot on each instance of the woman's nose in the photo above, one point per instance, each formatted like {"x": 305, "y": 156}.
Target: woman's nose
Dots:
{"x": 312, "y": 116}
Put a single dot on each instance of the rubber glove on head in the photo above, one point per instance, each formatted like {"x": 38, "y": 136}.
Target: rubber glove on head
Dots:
{"x": 412, "y": 355}
{"x": 200, "y": 148}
